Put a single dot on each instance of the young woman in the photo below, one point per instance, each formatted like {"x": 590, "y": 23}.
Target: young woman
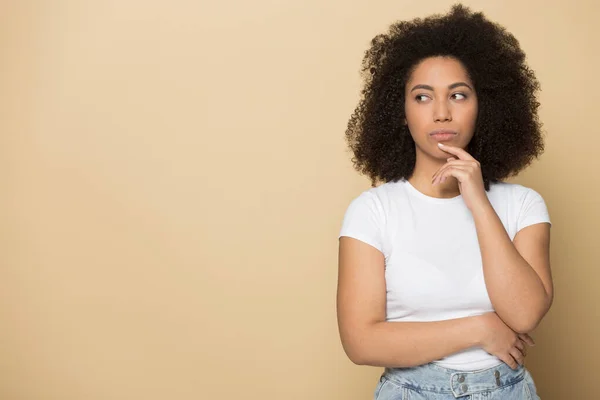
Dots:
{"x": 443, "y": 267}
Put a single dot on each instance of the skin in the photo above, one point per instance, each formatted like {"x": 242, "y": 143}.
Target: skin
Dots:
{"x": 440, "y": 95}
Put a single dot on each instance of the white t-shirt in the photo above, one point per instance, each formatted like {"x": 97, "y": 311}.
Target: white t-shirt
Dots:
{"x": 433, "y": 267}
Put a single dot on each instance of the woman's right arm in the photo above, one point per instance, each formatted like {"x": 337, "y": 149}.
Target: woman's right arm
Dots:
{"x": 369, "y": 340}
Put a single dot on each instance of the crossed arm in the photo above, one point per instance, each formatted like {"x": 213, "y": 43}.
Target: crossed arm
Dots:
{"x": 517, "y": 273}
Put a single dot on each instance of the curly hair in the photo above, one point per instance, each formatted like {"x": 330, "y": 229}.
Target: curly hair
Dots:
{"x": 507, "y": 134}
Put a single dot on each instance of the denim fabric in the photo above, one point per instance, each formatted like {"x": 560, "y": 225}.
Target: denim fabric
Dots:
{"x": 433, "y": 382}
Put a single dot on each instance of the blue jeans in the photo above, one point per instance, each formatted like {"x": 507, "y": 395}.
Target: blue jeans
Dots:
{"x": 432, "y": 382}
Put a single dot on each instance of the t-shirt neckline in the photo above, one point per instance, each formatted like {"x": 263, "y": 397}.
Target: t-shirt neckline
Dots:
{"x": 431, "y": 199}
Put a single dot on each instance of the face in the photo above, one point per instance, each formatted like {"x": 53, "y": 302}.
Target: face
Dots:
{"x": 440, "y": 106}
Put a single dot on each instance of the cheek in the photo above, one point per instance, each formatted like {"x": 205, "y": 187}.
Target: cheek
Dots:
{"x": 475, "y": 110}
{"x": 469, "y": 115}
{"x": 474, "y": 116}
{"x": 415, "y": 116}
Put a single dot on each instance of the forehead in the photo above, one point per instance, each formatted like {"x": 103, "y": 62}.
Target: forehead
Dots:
{"x": 439, "y": 71}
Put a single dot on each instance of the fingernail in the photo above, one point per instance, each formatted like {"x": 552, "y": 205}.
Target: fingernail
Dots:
{"x": 441, "y": 145}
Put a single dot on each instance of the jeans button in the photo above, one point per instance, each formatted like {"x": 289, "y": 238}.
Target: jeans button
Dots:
{"x": 461, "y": 378}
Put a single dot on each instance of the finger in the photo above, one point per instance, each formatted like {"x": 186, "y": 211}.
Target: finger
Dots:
{"x": 465, "y": 163}
{"x": 456, "y": 171}
{"x": 527, "y": 339}
{"x": 448, "y": 160}
{"x": 457, "y": 151}
{"x": 453, "y": 161}
{"x": 469, "y": 166}
{"x": 441, "y": 174}
{"x": 521, "y": 346}
{"x": 437, "y": 173}
{"x": 510, "y": 361}
{"x": 441, "y": 171}
{"x": 516, "y": 354}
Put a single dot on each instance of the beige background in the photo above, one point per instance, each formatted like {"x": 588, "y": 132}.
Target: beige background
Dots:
{"x": 173, "y": 180}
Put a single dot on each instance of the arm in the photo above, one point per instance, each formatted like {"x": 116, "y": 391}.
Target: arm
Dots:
{"x": 366, "y": 336}
{"x": 517, "y": 274}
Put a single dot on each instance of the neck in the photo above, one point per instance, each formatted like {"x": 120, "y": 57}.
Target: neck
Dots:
{"x": 425, "y": 168}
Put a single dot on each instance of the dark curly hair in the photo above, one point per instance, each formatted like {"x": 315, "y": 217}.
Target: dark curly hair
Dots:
{"x": 507, "y": 134}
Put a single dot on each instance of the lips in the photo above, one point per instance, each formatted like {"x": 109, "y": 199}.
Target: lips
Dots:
{"x": 443, "y": 134}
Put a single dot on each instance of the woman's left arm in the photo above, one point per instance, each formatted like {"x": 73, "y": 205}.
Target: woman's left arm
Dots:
{"x": 517, "y": 273}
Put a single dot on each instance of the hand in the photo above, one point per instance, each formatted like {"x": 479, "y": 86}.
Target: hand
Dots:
{"x": 503, "y": 342}
{"x": 467, "y": 171}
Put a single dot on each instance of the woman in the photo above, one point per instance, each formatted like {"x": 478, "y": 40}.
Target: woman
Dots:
{"x": 443, "y": 267}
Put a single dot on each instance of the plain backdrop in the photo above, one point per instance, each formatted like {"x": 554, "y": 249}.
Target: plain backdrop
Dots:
{"x": 174, "y": 175}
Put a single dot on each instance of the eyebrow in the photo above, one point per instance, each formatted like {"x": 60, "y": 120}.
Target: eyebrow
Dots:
{"x": 453, "y": 86}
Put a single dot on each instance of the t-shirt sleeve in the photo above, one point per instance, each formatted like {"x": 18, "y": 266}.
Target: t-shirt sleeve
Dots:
{"x": 533, "y": 210}
{"x": 364, "y": 220}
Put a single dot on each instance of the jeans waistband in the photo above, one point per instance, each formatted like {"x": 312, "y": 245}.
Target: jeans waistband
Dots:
{"x": 434, "y": 378}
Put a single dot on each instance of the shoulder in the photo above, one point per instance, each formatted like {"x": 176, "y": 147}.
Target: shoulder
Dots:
{"x": 376, "y": 202}
{"x": 379, "y": 193}
{"x": 367, "y": 215}
{"x": 513, "y": 192}
{"x": 379, "y": 197}
{"x": 522, "y": 205}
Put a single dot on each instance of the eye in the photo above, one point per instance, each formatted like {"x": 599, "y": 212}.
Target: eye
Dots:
{"x": 459, "y": 96}
{"x": 421, "y": 98}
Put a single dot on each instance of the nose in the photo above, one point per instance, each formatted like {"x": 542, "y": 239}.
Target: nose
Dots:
{"x": 441, "y": 112}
